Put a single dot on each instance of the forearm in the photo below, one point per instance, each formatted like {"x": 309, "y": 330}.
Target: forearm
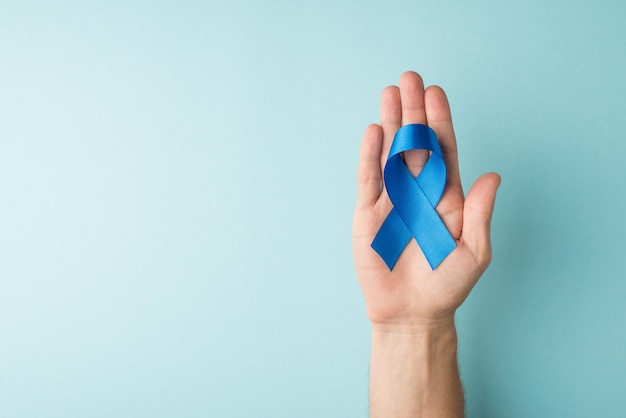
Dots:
{"x": 414, "y": 372}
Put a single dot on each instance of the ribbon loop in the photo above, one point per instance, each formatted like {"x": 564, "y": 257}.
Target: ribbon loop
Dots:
{"x": 414, "y": 200}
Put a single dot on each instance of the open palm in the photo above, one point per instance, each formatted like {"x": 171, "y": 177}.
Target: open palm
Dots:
{"x": 413, "y": 293}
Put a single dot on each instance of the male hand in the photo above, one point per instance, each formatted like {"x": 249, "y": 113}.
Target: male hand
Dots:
{"x": 413, "y": 295}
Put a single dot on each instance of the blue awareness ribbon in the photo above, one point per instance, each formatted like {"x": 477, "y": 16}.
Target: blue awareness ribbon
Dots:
{"x": 414, "y": 200}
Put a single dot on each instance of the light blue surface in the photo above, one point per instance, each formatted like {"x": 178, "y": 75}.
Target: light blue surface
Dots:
{"x": 177, "y": 181}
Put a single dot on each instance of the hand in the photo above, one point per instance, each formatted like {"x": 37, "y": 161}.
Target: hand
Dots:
{"x": 413, "y": 294}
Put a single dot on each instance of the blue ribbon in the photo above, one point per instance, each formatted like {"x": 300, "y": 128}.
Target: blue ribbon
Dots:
{"x": 414, "y": 200}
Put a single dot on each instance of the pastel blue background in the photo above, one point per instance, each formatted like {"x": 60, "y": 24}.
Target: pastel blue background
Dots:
{"x": 177, "y": 182}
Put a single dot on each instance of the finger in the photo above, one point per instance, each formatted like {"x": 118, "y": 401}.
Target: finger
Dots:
{"x": 369, "y": 173}
{"x": 413, "y": 111}
{"x": 390, "y": 118}
{"x": 440, "y": 120}
{"x": 477, "y": 217}
{"x": 450, "y": 207}
{"x": 412, "y": 98}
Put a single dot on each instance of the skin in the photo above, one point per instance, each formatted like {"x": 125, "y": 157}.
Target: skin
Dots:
{"x": 413, "y": 370}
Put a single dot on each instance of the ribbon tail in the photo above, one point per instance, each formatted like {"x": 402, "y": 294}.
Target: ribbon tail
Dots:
{"x": 391, "y": 239}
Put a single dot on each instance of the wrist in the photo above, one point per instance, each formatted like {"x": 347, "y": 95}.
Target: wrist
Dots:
{"x": 413, "y": 368}
{"x": 431, "y": 339}
{"x": 439, "y": 327}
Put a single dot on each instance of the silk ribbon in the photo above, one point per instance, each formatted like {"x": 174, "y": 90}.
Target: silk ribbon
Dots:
{"x": 414, "y": 200}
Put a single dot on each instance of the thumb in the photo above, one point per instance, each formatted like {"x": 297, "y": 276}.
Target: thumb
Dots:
{"x": 477, "y": 217}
